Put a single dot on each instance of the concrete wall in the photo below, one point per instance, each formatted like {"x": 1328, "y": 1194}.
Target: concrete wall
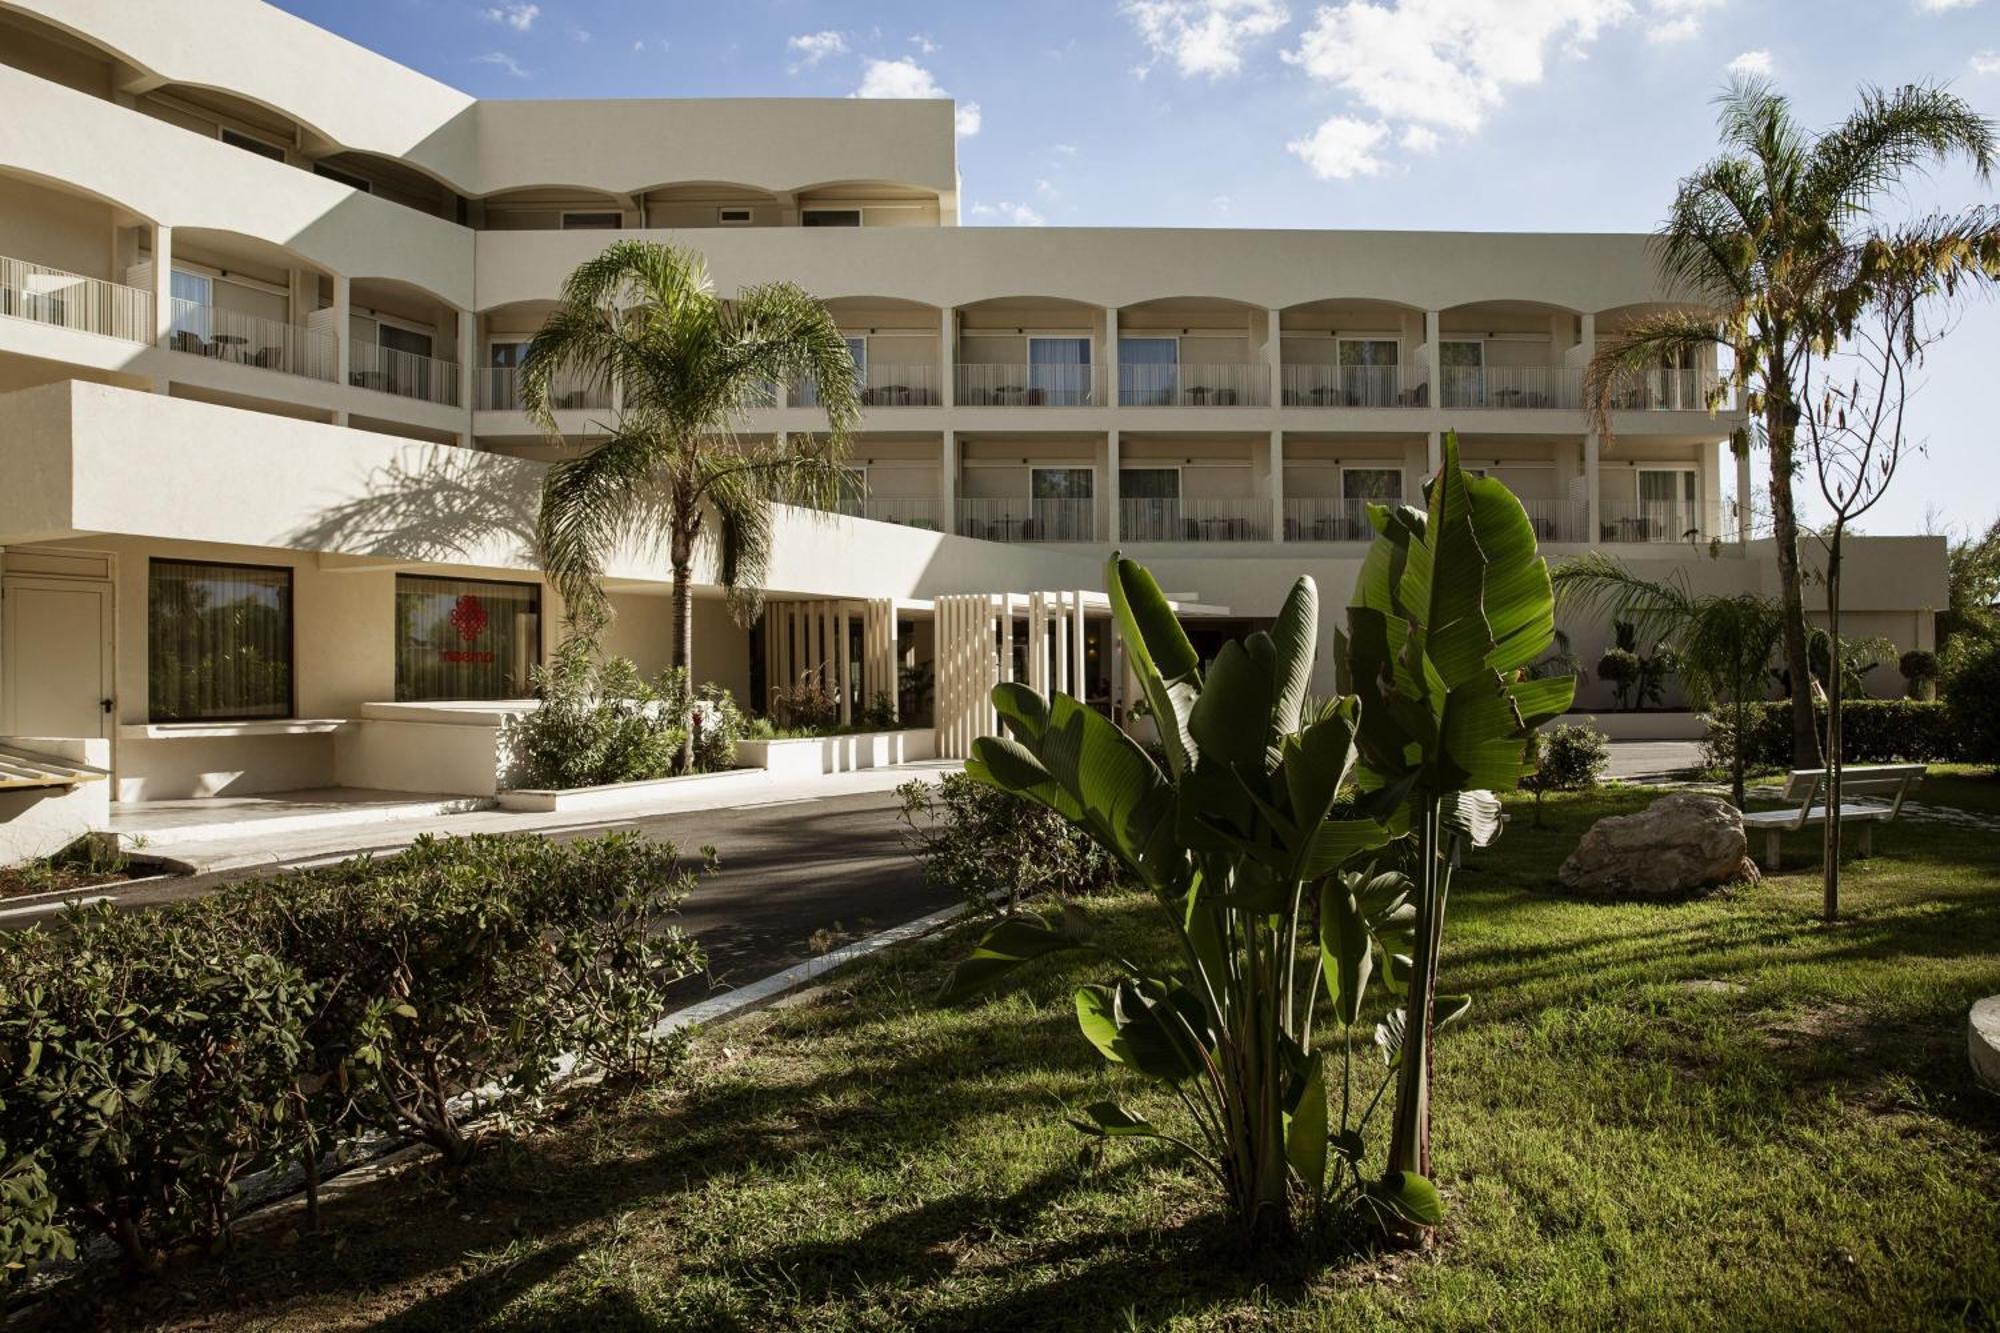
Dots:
{"x": 35, "y": 822}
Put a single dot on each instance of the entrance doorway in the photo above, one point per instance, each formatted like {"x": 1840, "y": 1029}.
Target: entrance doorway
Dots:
{"x": 56, "y": 664}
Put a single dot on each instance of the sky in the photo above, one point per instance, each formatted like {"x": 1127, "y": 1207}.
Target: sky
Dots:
{"x": 1487, "y": 115}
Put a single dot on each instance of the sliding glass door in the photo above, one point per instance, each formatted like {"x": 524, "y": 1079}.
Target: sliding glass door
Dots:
{"x": 1059, "y": 371}
{"x": 1148, "y": 371}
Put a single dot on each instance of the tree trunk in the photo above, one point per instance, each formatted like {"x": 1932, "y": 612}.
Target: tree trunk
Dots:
{"x": 684, "y": 647}
{"x": 1779, "y": 418}
{"x": 1410, "y": 1130}
{"x": 1834, "y": 674}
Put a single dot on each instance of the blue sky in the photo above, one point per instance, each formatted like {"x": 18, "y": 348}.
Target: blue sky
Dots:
{"x": 1568, "y": 115}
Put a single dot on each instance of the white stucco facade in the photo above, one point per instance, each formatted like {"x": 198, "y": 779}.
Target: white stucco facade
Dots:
{"x": 261, "y": 291}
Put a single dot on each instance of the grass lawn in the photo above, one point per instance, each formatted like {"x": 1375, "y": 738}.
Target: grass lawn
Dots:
{"x": 1709, "y": 1114}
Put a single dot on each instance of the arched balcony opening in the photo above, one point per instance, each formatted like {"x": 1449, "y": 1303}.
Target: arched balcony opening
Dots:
{"x": 1352, "y": 353}
{"x": 554, "y": 208}
{"x": 404, "y": 340}
{"x": 1031, "y": 351}
{"x": 74, "y": 260}
{"x": 1193, "y": 351}
{"x": 867, "y": 204}
{"x": 896, "y": 345}
{"x": 502, "y": 344}
{"x": 390, "y": 179}
{"x": 695, "y": 205}
{"x": 1682, "y": 380}
{"x": 238, "y": 299}
{"x": 1510, "y": 354}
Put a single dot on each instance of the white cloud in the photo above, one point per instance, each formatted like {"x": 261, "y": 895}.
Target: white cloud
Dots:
{"x": 1676, "y": 20}
{"x": 1986, "y": 62}
{"x": 813, "y": 47}
{"x": 1943, "y": 6}
{"x": 1420, "y": 139}
{"x": 1342, "y": 148}
{"x": 1066, "y": 149}
{"x": 1751, "y": 62}
{"x": 518, "y": 17}
{"x": 1045, "y": 188}
{"x": 923, "y": 43}
{"x": 1204, "y": 36}
{"x": 504, "y": 61}
{"x": 906, "y": 78}
{"x": 1019, "y": 215}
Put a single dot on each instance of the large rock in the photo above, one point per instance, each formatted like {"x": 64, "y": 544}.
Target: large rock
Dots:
{"x": 1677, "y": 845}
{"x": 1982, "y": 1039}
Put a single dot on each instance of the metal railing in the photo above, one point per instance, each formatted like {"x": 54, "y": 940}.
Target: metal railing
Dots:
{"x": 981, "y": 384}
{"x": 1672, "y": 391}
{"x": 250, "y": 340}
{"x": 1194, "y": 520}
{"x": 1028, "y": 520}
{"x": 885, "y": 386}
{"x": 71, "y": 301}
{"x": 1511, "y": 386}
{"x": 1239, "y": 384}
{"x": 1310, "y": 519}
{"x": 908, "y": 513}
{"x": 1349, "y": 386}
{"x": 499, "y": 390}
{"x": 1660, "y": 521}
{"x": 405, "y": 374}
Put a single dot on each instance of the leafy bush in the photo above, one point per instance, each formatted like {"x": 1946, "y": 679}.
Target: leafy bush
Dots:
{"x": 990, "y": 845}
{"x": 1619, "y": 668}
{"x": 150, "y": 1060}
{"x": 1872, "y": 731}
{"x": 1569, "y": 757}
{"x": 805, "y": 706}
{"x": 1920, "y": 670}
{"x": 714, "y": 718}
{"x": 598, "y": 722}
{"x": 1972, "y": 701}
{"x": 30, "y": 1233}
{"x": 467, "y": 962}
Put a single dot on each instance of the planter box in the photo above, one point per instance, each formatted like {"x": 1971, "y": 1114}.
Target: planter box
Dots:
{"x": 545, "y": 801}
{"x": 809, "y": 756}
{"x": 1660, "y": 726}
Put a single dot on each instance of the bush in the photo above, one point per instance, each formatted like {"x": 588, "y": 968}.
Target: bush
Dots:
{"x": 1619, "y": 668}
{"x": 714, "y": 718}
{"x": 468, "y": 962}
{"x": 1972, "y": 701}
{"x": 1568, "y": 757}
{"x": 990, "y": 845}
{"x": 804, "y": 706}
{"x": 29, "y": 1231}
{"x": 598, "y": 722}
{"x": 1920, "y": 670}
{"x": 151, "y": 1059}
{"x": 1872, "y": 731}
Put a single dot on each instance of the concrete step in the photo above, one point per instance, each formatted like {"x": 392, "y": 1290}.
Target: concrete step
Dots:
{"x": 162, "y": 825}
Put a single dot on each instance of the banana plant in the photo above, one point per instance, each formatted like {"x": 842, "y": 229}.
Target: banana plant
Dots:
{"x": 1452, "y": 606}
{"x": 1241, "y": 831}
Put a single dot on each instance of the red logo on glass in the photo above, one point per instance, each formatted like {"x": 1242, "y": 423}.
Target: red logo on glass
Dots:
{"x": 468, "y": 617}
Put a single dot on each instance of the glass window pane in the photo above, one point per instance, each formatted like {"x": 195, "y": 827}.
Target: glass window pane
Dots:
{"x": 218, "y": 642}
{"x": 1149, "y": 483}
{"x": 1367, "y": 351}
{"x": 465, "y": 638}
{"x": 404, "y": 340}
{"x": 506, "y": 356}
{"x": 1461, "y": 353}
{"x": 1061, "y": 483}
{"x": 1059, "y": 370}
{"x": 1371, "y": 483}
{"x": 1148, "y": 351}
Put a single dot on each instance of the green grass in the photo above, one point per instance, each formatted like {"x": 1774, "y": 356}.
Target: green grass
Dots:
{"x": 1719, "y": 1113}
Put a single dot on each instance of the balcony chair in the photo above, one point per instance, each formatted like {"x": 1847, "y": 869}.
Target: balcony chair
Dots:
{"x": 187, "y": 340}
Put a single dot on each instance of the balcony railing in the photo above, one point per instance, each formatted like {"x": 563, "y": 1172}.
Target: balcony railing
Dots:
{"x": 1511, "y": 386}
{"x": 1671, "y": 391}
{"x": 404, "y": 374}
{"x": 1194, "y": 520}
{"x": 72, "y": 301}
{"x": 1242, "y": 384}
{"x": 1350, "y": 386}
{"x": 1028, "y": 520}
{"x": 1659, "y": 521}
{"x": 1309, "y": 519}
{"x": 499, "y": 390}
{"x": 885, "y": 386}
{"x": 248, "y": 340}
{"x": 908, "y": 513}
{"x": 983, "y": 384}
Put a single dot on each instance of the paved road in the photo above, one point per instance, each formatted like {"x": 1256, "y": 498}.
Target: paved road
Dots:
{"x": 792, "y": 870}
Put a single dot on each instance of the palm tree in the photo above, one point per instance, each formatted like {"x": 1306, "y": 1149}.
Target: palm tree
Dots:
{"x": 1720, "y": 645}
{"x": 1773, "y": 243}
{"x": 672, "y": 469}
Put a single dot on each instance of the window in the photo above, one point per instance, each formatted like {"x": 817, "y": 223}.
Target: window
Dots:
{"x": 732, "y": 217}
{"x": 1060, "y": 502}
{"x": 1667, "y": 508}
{"x": 830, "y": 217}
{"x": 1371, "y": 483}
{"x": 506, "y": 356}
{"x": 1149, "y": 507}
{"x": 403, "y": 340}
{"x": 1367, "y": 351}
{"x": 250, "y": 145}
{"x": 218, "y": 642}
{"x": 465, "y": 638}
{"x": 347, "y": 178}
{"x": 1148, "y": 371}
{"x": 1059, "y": 371}
{"x": 853, "y": 491}
{"x": 592, "y": 221}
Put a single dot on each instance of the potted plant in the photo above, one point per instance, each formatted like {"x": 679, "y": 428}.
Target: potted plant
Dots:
{"x": 1920, "y": 670}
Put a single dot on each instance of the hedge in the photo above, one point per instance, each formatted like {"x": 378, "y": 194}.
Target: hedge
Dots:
{"x": 1872, "y": 731}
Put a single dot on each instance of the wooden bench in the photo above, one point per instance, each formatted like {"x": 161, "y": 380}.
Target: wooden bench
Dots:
{"x": 1804, "y": 787}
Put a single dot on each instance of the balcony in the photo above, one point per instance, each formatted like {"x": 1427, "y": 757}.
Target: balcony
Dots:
{"x": 1658, "y": 522}
{"x": 405, "y": 374}
{"x": 1673, "y": 391}
{"x": 908, "y": 513}
{"x": 1512, "y": 387}
{"x": 1189, "y": 520}
{"x": 499, "y": 390}
{"x": 1349, "y": 386}
{"x": 1243, "y": 384}
{"x": 247, "y": 340}
{"x": 71, "y": 301}
{"x": 994, "y": 385}
{"x": 1028, "y": 520}
{"x": 885, "y": 386}
{"x": 1310, "y": 519}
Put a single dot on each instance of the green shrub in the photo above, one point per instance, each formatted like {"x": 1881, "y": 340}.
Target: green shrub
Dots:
{"x": 1620, "y": 668}
{"x": 1920, "y": 671}
{"x": 806, "y": 706}
{"x": 1972, "y": 701}
{"x": 30, "y": 1233}
{"x": 150, "y": 1060}
{"x": 990, "y": 845}
{"x": 598, "y": 722}
{"x": 1568, "y": 757}
{"x": 1873, "y": 731}
{"x": 713, "y": 716}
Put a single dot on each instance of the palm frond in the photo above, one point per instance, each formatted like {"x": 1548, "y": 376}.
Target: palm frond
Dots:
{"x": 1661, "y": 337}
{"x": 594, "y": 504}
{"x": 1887, "y": 137}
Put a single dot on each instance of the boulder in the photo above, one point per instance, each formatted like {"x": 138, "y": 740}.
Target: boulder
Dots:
{"x": 1982, "y": 1039}
{"x": 1680, "y": 844}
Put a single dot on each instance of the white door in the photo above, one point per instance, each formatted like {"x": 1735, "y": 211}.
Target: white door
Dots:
{"x": 55, "y": 656}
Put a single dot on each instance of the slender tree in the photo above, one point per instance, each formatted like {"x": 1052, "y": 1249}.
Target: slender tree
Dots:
{"x": 1720, "y": 645}
{"x": 1766, "y": 242}
{"x": 671, "y": 468}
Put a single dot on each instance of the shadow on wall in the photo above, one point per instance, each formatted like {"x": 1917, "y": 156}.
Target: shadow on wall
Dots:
{"x": 451, "y": 506}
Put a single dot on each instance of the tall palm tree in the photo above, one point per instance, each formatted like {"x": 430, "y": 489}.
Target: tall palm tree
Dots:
{"x": 672, "y": 469}
{"x": 1719, "y": 645}
{"x": 1774, "y": 246}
